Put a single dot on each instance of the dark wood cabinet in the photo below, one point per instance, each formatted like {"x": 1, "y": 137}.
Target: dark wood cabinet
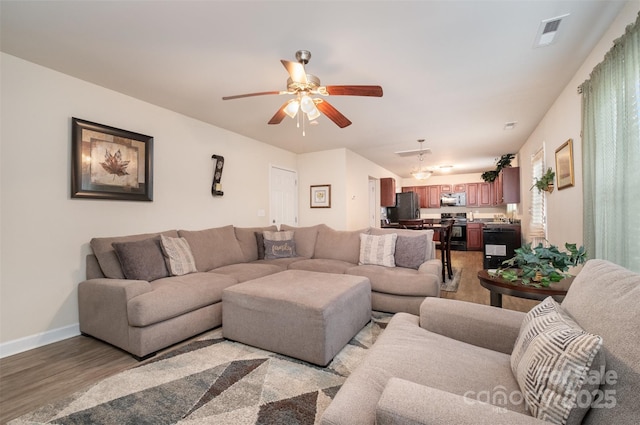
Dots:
{"x": 506, "y": 187}
{"x": 474, "y": 236}
{"x": 433, "y": 200}
{"x": 472, "y": 194}
{"x": 484, "y": 194}
{"x": 388, "y": 192}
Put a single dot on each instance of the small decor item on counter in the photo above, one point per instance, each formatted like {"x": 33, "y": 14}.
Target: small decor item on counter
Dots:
{"x": 541, "y": 265}
{"x": 545, "y": 183}
{"x": 502, "y": 162}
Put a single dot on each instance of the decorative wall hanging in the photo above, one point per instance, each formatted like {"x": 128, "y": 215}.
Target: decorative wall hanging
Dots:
{"x": 110, "y": 163}
{"x": 216, "y": 186}
{"x": 321, "y": 196}
{"x": 564, "y": 165}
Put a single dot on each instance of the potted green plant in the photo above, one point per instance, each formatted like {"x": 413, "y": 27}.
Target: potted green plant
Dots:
{"x": 545, "y": 182}
{"x": 541, "y": 265}
{"x": 502, "y": 162}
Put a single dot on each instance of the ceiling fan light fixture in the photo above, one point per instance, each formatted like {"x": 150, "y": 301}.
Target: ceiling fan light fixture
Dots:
{"x": 313, "y": 114}
{"x": 292, "y": 108}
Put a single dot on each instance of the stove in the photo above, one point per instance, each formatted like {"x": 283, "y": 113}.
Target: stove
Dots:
{"x": 459, "y": 230}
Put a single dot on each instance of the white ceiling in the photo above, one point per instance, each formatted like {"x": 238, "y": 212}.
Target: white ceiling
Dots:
{"x": 453, "y": 72}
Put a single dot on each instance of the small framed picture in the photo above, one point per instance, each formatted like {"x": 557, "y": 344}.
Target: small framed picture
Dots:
{"x": 321, "y": 196}
{"x": 110, "y": 163}
{"x": 564, "y": 165}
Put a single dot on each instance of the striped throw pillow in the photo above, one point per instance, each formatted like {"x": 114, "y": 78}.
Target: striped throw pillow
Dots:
{"x": 378, "y": 250}
{"x": 554, "y": 362}
{"x": 178, "y": 256}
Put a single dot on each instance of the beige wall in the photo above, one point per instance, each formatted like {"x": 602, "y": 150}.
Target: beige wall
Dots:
{"x": 45, "y": 234}
{"x": 562, "y": 122}
{"x": 348, "y": 174}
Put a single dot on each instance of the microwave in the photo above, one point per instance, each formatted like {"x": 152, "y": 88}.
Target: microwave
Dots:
{"x": 458, "y": 199}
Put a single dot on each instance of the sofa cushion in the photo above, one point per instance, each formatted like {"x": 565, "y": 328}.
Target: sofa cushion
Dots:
{"x": 398, "y": 280}
{"x": 175, "y": 296}
{"x": 378, "y": 250}
{"x": 321, "y": 265}
{"x": 213, "y": 248}
{"x": 250, "y": 247}
{"x": 410, "y": 251}
{"x": 178, "y": 256}
{"x": 551, "y": 361}
{"x": 305, "y": 238}
{"x": 338, "y": 245}
{"x": 243, "y": 272}
{"x": 142, "y": 260}
{"x": 106, "y": 255}
{"x": 604, "y": 299}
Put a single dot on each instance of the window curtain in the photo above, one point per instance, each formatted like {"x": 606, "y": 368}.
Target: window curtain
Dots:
{"x": 611, "y": 154}
{"x": 537, "y": 225}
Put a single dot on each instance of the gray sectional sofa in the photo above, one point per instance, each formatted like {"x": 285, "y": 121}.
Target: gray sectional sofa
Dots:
{"x": 575, "y": 363}
{"x": 156, "y": 309}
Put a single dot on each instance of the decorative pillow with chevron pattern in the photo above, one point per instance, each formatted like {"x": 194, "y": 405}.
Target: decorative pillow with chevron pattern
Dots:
{"x": 178, "y": 256}
{"x": 378, "y": 250}
{"x": 555, "y": 363}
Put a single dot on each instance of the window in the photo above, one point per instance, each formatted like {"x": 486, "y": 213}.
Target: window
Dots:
{"x": 538, "y": 224}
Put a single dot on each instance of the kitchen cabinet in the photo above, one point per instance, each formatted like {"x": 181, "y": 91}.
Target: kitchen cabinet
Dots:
{"x": 474, "y": 236}
{"x": 423, "y": 195}
{"x": 446, "y": 188}
{"x": 388, "y": 192}
{"x": 484, "y": 194}
{"x": 506, "y": 187}
{"x": 433, "y": 196}
{"x": 460, "y": 187}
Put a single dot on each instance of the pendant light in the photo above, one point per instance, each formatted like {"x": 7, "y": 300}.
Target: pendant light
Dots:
{"x": 421, "y": 173}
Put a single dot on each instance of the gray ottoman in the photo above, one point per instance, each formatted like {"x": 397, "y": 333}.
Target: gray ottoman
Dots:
{"x": 307, "y": 315}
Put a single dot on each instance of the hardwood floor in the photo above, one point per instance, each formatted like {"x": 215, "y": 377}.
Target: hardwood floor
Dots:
{"x": 34, "y": 378}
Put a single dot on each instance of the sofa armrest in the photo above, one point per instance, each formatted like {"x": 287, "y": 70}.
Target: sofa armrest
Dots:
{"x": 102, "y": 308}
{"x": 408, "y": 403}
{"x": 481, "y": 325}
{"x": 433, "y": 267}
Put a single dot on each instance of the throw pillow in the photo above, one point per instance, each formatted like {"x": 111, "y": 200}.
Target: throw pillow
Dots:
{"x": 410, "y": 251}
{"x": 552, "y": 361}
{"x": 279, "y": 249}
{"x": 141, "y": 260}
{"x": 178, "y": 256}
{"x": 260, "y": 242}
{"x": 378, "y": 250}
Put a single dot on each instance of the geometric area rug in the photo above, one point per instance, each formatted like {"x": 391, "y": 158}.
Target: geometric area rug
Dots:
{"x": 213, "y": 381}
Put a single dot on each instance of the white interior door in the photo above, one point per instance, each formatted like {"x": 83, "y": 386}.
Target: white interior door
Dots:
{"x": 284, "y": 197}
{"x": 373, "y": 203}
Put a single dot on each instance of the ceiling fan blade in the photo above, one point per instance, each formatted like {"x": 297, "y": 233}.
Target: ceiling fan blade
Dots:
{"x": 332, "y": 113}
{"x": 240, "y": 96}
{"x": 296, "y": 71}
{"x": 279, "y": 116}
{"x": 375, "y": 91}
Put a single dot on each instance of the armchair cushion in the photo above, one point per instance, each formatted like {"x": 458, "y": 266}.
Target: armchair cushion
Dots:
{"x": 552, "y": 360}
{"x": 477, "y": 324}
{"x": 407, "y": 403}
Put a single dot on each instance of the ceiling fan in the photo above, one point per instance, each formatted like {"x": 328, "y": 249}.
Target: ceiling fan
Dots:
{"x": 303, "y": 86}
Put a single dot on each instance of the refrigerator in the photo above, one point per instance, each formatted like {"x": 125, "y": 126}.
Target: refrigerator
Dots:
{"x": 407, "y": 207}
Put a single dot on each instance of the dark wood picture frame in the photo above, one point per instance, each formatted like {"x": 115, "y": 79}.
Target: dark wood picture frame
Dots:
{"x": 564, "y": 165}
{"x": 110, "y": 163}
{"x": 320, "y": 196}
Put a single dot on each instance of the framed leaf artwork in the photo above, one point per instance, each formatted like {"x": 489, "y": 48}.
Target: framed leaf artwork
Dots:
{"x": 110, "y": 163}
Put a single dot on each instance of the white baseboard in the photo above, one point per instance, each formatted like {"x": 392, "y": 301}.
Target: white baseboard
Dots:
{"x": 27, "y": 343}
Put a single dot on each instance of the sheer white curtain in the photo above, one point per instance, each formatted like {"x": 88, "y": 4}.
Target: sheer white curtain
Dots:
{"x": 611, "y": 154}
{"x": 538, "y": 220}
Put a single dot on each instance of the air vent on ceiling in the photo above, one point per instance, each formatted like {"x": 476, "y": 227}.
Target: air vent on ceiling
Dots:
{"x": 413, "y": 152}
{"x": 548, "y": 31}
